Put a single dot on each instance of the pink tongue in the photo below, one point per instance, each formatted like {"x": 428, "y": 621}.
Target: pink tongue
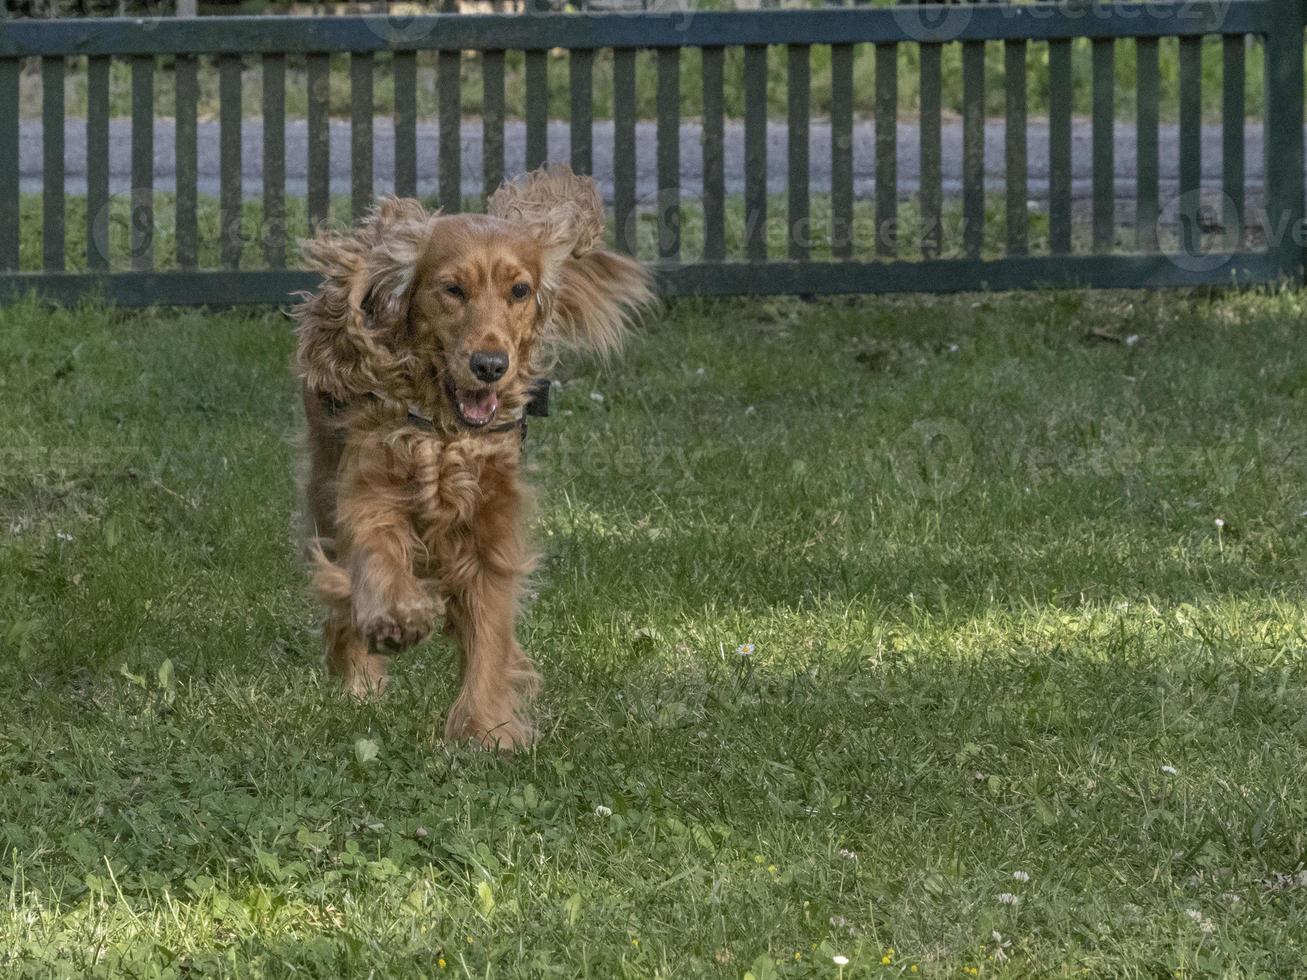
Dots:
{"x": 480, "y": 410}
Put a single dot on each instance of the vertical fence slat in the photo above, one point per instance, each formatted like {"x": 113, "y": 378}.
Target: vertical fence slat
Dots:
{"x": 1283, "y": 146}
{"x": 714, "y": 193}
{"x": 360, "y": 132}
{"x": 319, "y": 192}
{"x": 669, "y": 153}
{"x": 1147, "y": 99}
{"x": 973, "y": 147}
{"x": 229, "y": 160}
{"x": 97, "y": 162}
{"x": 887, "y": 136}
{"x": 405, "y": 70}
{"x": 755, "y": 152}
{"x": 1016, "y": 166}
{"x": 10, "y": 71}
{"x": 841, "y": 149}
{"x": 1232, "y": 125}
{"x": 52, "y": 172}
{"x": 1104, "y": 145}
{"x": 142, "y": 218}
{"x": 1191, "y": 142}
{"x": 537, "y": 109}
{"x": 931, "y": 151}
{"x": 274, "y": 160}
{"x": 624, "y": 147}
{"x": 1059, "y": 149}
{"x": 186, "y": 85}
{"x": 798, "y": 91}
{"x": 580, "y": 69}
{"x": 492, "y": 121}
{"x": 450, "y": 106}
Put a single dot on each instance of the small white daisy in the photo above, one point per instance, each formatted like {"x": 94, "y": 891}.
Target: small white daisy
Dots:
{"x": 840, "y": 960}
{"x": 745, "y": 649}
{"x": 1220, "y": 523}
{"x": 603, "y": 811}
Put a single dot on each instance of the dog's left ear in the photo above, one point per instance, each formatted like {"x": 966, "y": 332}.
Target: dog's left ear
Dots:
{"x": 588, "y": 297}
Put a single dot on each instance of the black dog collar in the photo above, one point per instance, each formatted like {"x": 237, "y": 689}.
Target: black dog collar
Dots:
{"x": 537, "y": 405}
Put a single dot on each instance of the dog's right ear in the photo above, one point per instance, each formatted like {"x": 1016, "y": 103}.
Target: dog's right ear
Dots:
{"x": 346, "y": 328}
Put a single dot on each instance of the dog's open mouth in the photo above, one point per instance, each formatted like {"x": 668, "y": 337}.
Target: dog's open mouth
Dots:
{"x": 473, "y": 408}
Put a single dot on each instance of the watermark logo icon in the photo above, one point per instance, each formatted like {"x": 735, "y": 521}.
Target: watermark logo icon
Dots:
{"x": 1199, "y": 215}
{"x": 933, "y": 22}
{"x": 933, "y": 458}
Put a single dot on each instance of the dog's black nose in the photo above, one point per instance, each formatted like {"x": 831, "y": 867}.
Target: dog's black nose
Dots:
{"x": 488, "y": 365}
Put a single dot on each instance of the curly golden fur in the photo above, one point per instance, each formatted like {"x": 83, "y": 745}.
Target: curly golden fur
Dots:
{"x": 447, "y": 318}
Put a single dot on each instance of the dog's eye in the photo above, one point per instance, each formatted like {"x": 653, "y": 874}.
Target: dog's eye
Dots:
{"x": 455, "y": 290}
{"x": 521, "y": 290}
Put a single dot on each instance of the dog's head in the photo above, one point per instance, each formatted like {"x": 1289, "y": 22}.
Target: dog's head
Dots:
{"x": 451, "y": 311}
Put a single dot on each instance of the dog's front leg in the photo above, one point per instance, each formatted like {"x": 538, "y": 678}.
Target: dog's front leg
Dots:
{"x": 388, "y": 609}
{"x": 498, "y": 679}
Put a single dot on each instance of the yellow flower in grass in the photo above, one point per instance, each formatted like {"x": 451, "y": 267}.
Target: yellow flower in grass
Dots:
{"x": 441, "y": 962}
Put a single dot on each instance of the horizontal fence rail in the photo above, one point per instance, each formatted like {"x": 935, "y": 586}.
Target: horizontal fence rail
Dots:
{"x": 481, "y": 32}
{"x": 834, "y": 188}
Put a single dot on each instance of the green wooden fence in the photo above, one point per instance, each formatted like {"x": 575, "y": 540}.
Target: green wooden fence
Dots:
{"x": 749, "y": 259}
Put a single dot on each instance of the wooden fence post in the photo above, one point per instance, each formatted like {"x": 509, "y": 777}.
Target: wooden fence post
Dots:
{"x": 1284, "y": 131}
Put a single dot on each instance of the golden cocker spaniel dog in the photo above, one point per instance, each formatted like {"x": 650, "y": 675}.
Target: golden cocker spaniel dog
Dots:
{"x": 417, "y": 356}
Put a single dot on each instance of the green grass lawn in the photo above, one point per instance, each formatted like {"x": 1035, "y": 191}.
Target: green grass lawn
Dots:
{"x": 909, "y": 232}
{"x": 1018, "y": 704}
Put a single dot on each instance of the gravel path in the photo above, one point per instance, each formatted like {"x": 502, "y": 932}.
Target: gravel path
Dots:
{"x": 691, "y": 160}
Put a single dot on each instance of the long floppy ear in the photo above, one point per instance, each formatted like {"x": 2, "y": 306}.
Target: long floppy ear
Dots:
{"x": 591, "y": 296}
{"x": 345, "y": 328}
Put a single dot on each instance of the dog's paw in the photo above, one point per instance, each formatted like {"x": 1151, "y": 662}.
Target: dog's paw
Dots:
{"x": 364, "y": 685}
{"x": 509, "y": 736}
{"x": 403, "y": 625}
